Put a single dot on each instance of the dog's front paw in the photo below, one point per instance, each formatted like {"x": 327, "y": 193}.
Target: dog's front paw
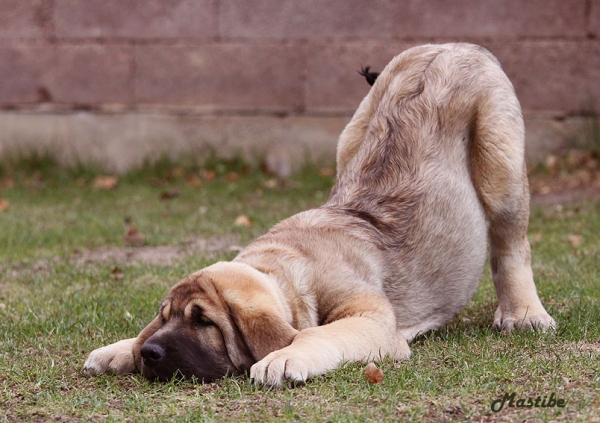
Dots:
{"x": 114, "y": 358}
{"x": 525, "y": 320}
{"x": 281, "y": 367}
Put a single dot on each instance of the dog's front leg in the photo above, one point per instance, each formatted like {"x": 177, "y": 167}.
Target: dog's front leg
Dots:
{"x": 316, "y": 350}
{"x": 114, "y": 358}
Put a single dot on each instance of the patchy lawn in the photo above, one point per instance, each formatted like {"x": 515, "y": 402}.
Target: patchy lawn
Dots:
{"x": 85, "y": 260}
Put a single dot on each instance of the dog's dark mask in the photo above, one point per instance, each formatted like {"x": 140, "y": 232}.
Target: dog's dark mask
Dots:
{"x": 215, "y": 323}
{"x": 186, "y": 347}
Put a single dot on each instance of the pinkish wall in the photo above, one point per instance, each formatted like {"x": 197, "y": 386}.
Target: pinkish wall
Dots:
{"x": 279, "y": 62}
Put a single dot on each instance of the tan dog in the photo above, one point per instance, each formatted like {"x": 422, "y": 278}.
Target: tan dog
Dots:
{"x": 429, "y": 168}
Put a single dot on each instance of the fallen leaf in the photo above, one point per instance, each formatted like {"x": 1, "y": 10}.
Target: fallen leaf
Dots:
{"x": 577, "y": 158}
{"x": 35, "y": 181}
{"x": 326, "y": 171}
{"x": 209, "y": 175}
{"x": 193, "y": 181}
{"x": 576, "y": 240}
{"x": 270, "y": 183}
{"x": 156, "y": 182}
{"x": 455, "y": 410}
{"x": 242, "y": 220}
{"x": 7, "y": 183}
{"x": 116, "y": 273}
{"x": 583, "y": 176}
{"x": 232, "y": 177}
{"x": 133, "y": 237}
{"x": 544, "y": 190}
{"x": 373, "y": 374}
{"x": 4, "y": 204}
{"x": 552, "y": 164}
{"x": 167, "y": 195}
{"x": 106, "y": 182}
{"x": 535, "y": 238}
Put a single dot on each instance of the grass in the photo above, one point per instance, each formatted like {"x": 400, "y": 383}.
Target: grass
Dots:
{"x": 54, "y": 309}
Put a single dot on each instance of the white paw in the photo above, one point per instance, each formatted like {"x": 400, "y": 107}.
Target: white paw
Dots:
{"x": 281, "y": 367}
{"x": 114, "y": 358}
{"x": 524, "y": 320}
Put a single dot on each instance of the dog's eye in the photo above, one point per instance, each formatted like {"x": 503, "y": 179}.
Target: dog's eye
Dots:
{"x": 199, "y": 319}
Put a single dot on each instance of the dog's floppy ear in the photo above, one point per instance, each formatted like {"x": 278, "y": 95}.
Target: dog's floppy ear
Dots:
{"x": 146, "y": 333}
{"x": 256, "y": 312}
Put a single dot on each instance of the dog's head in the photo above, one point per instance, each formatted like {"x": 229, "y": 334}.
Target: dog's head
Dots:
{"x": 214, "y": 323}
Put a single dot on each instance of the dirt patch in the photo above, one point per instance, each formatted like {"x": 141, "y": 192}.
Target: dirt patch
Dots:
{"x": 160, "y": 255}
{"x": 572, "y": 196}
{"x": 27, "y": 267}
{"x": 164, "y": 255}
{"x": 594, "y": 347}
{"x": 573, "y": 178}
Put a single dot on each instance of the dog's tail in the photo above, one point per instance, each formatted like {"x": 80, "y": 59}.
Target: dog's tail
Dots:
{"x": 369, "y": 76}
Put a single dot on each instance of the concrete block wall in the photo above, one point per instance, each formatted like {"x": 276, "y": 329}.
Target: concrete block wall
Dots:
{"x": 118, "y": 82}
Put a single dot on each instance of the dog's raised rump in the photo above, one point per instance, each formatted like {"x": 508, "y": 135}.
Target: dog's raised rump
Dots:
{"x": 429, "y": 169}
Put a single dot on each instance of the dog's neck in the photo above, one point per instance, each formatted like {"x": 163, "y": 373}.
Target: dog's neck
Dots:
{"x": 299, "y": 308}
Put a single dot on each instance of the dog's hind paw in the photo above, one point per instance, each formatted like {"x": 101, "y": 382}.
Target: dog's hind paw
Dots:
{"x": 114, "y": 358}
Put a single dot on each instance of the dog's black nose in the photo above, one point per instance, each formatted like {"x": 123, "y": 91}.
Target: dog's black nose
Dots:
{"x": 152, "y": 353}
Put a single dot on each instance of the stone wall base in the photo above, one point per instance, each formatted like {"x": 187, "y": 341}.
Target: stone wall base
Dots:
{"x": 119, "y": 142}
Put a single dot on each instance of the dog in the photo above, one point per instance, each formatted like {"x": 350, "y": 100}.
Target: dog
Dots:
{"x": 430, "y": 170}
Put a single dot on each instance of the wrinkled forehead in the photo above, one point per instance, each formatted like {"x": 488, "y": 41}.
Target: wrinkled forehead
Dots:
{"x": 196, "y": 290}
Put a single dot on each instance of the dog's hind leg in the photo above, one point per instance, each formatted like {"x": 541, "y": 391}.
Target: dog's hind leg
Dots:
{"x": 500, "y": 178}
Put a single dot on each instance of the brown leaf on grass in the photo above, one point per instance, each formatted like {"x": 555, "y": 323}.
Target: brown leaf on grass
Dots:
{"x": 270, "y": 183}
{"x": 576, "y": 240}
{"x": 242, "y": 220}
{"x": 7, "y": 183}
{"x": 232, "y": 177}
{"x": 535, "y": 238}
{"x": 133, "y": 237}
{"x": 373, "y": 374}
{"x": 36, "y": 180}
{"x": 193, "y": 181}
{"x": 578, "y": 158}
{"x": 167, "y": 195}
{"x": 208, "y": 175}
{"x": 178, "y": 171}
{"x": 116, "y": 273}
{"x": 552, "y": 164}
{"x": 455, "y": 410}
{"x": 156, "y": 182}
{"x": 106, "y": 182}
{"x": 4, "y": 204}
{"x": 326, "y": 171}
